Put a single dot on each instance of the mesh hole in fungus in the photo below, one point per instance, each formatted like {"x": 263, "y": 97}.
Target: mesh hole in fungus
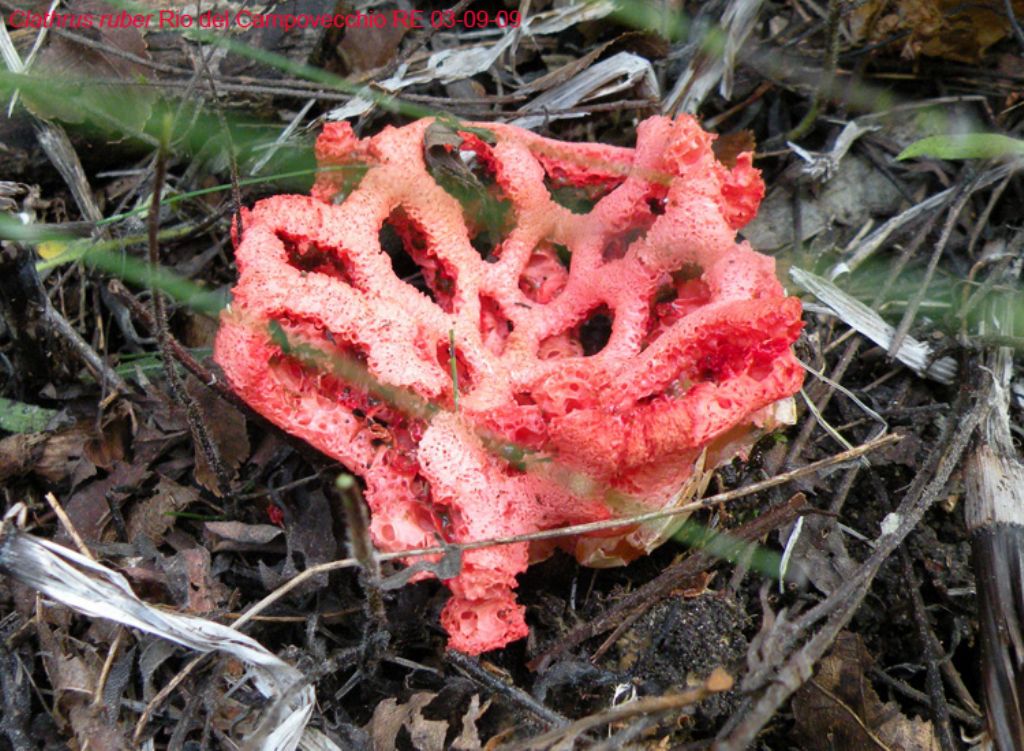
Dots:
{"x": 463, "y": 166}
{"x": 683, "y": 294}
{"x": 495, "y": 327}
{"x": 595, "y": 332}
{"x": 688, "y": 272}
{"x": 413, "y": 262}
{"x": 462, "y": 369}
{"x": 313, "y": 360}
{"x": 312, "y": 258}
{"x": 645, "y": 214}
{"x": 544, "y": 276}
{"x": 564, "y": 254}
{"x": 579, "y": 199}
{"x": 618, "y": 245}
{"x": 584, "y": 340}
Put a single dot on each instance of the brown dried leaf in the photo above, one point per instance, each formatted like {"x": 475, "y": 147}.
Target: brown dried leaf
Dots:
{"x": 108, "y": 447}
{"x": 839, "y": 710}
{"x": 426, "y": 734}
{"x": 948, "y": 29}
{"x": 56, "y": 457}
{"x": 227, "y": 429}
{"x": 155, "y": 515}
{"x": 730, "y": 145}
{"x": 365, "y": 49}
{"x": 91, "y": 724}
{"x": 565, "y": 72}
{"x": 469, "y": 738}
{"x": 390, "y": 717}
{"x": 310, "y": 533}
{"x": 241, "y": 536}
{"x": 190, "y": 581}
{"x": 88, "y": 507}
{"x": 71, "y": 62}
{"x": 74, "y": 671}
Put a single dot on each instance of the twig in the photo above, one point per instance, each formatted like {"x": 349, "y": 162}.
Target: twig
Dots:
{"x": 236, "y": 192}
{"x": 877, "y": 239}
{"x": 1018, "y": 32}
{"x": 357, "y": 523}
{"x": 994, "y": 484}
{"x": 828, "y": 69}
{"x": 103, "y": 372}
{"x": 778, "y": 684}
{"x": 69, "y": 526}
{"x": 177, "y": 386}
{"x": 576, "y": 529}
{"x": 979, "y": 226}
{"x": 631, "y": 606}
{"x": 932, "y": 654}
{"x": 836, "y": 376}
{"x": 717, "y": 682}
{"x": 471, "y": 666}
{"x": 287, "y": 133}
{"x": 178, "y": 350}
{"x": 108, "y": 663}
{"x": 425, "y": 37}
{"x": 971, "y": 720}
{"x": 161, "y": 696}
{"x": 933, "y": 262}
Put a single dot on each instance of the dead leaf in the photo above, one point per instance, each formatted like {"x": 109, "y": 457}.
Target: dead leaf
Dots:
{"x": 390, "y": 717}
{"x": 730, "y": 145}
{"x": 77, "y": 67}
{"x": 427, "y": 719}
{"x": 949, "y": 29}
{"x": 309, "y": 535}
{"x": 227, "y": 429}
{"x": 469, "y": 738}
{"x": 190, "y": 581}
{"x": 56, "y": 457}
{"x": 839, "y": 710}
{"x": 154, "y": 654}
{"x": 155, "y": 515}
{"x": 89, "y": 509}
{"x": 109, "y": 444}
{"x": 364, "y": 49}
{"x": 74, "y": 670}
{"x": 162, "y": 426}
{"x": 241, "y": 536}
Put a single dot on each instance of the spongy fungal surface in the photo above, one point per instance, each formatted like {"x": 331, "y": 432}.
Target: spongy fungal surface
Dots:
{"x": 606, "y": 325}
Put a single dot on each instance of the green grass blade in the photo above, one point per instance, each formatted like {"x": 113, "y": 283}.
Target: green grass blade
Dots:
{"x": 964, "y": 146}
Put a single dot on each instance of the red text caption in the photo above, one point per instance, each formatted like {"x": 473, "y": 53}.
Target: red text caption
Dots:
{"x": 245, "y": 19}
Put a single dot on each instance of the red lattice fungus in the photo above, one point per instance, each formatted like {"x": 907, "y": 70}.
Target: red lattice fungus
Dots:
{"x": 635, "y": 344}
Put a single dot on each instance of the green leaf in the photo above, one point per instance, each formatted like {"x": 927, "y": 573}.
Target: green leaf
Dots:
{"x": 18, "y": 417}
{"x": 964, "y": 146}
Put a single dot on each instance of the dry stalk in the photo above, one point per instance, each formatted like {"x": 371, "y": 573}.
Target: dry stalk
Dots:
{"x": 196, "y": 424}
{"x": 994, "y": 480}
